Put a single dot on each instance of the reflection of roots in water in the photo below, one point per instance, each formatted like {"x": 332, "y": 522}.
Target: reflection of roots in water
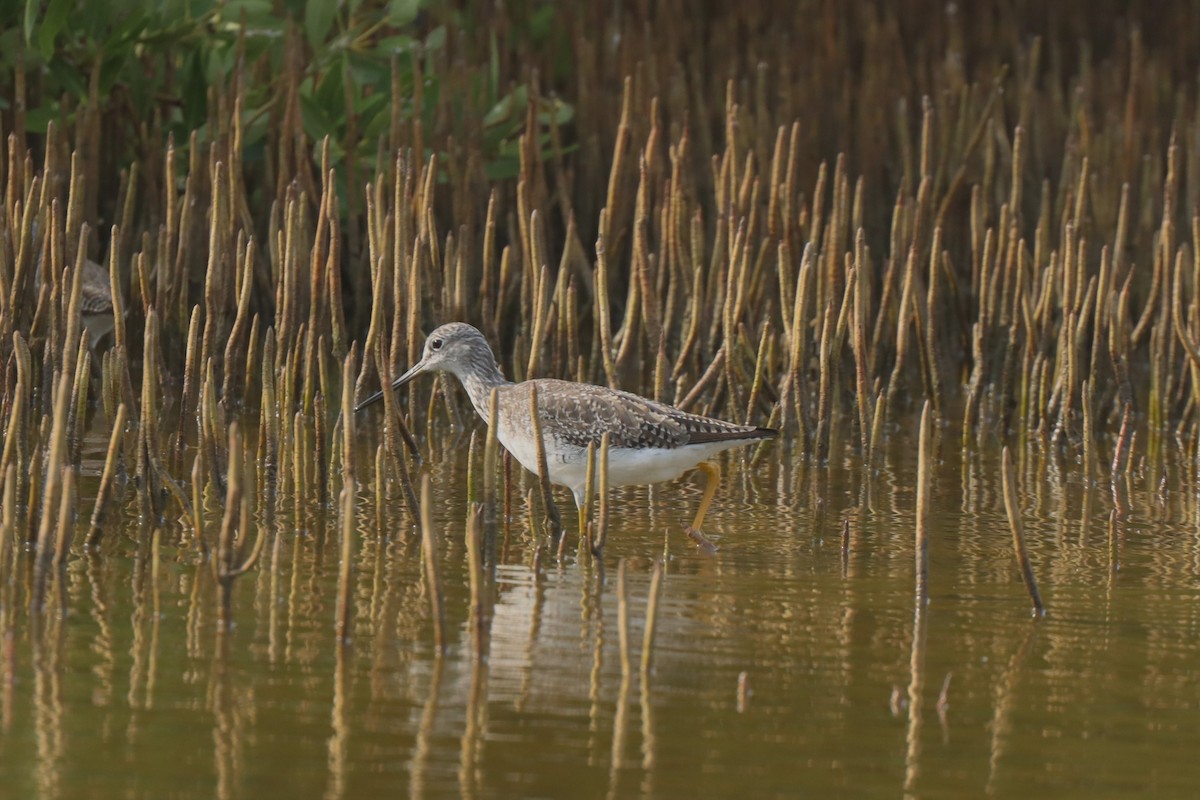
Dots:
{"x": 1004, "y": 705}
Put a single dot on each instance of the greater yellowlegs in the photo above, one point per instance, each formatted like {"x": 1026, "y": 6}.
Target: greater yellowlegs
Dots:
{"x": 95, "y": 294}
{"x": 95, "y": 301}
{"x": 648, "y": 441}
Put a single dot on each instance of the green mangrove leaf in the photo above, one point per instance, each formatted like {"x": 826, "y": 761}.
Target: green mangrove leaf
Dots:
{"x": 318, "y": 19}
{"x": 402, "y": 12}
{"x": 366, "y": 71}
{"x": 68, "y": 76}
{"x": 493, "y": 76}
{"x": 29, "y": 19}
{"x": 256, "y": 10}
{"x": 541, "y": 22}
{"x": 436, "y": 39}
{"x": 330, "y": 94}
{"x": 195, "y": 91}
{"x": 126, "y": 34}
{"x": 316, "y": 122}
{"x": 52, "y": 24}
{"x": 38, "y": 120}
{"x": 372, "y": 117}
{"x": 503, "y": 168}
{"x": 395, "y": 45}
{"x": 507, "y": 108}
{"x": 553, "y": 109}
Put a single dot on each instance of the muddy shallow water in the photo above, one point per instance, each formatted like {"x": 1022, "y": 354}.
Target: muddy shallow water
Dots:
{"x": 795, "y": 661}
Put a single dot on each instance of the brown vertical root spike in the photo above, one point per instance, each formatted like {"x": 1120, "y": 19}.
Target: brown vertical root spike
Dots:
{"x": 760, "y": 363}
{"x": 66, "y": 518}
{"x": 827, "y": 390}
{"x": 152, "y": 449}
{"x": 1088, "y": 394}
{"x": 198, "y": 504}
{"x": 924, "y": 457}
{"x": 347, "y": 416}
{"x": 73, "y": 320}
{"x": 96, "y": 530}
{"x": 393, "y": 426}
{"x": 345, "y": 604}
{"x": 320, "y": 448}
{"x": 47, "y": 318}
{"x": 710, "y": 376}
{"x": 904, "y": 320}
{"x": 534, "y": 528}
{"x": 878, "y": 420}
{"x": 660, "y": 369}
{"x": 33, "y": 487}
{"x": 300, "y": 462}
{"x": 602, "y": 519}
{"x": 14, "y": 431}
{"x": 691, "y": 336}
{"x": 641, "y": 267}
{"x": 373, "y": 340}
{"x": 188, "y": 396}
{"x": 612, "y": 202}
{"x": 491, "y": 452}
{"x": 858, "y": 345}
{"x": 473, "y": 490}
{"x": 479, "y": 611}
{"x": 54, "y": 465}
{"x": 589, "y": 491}
{"x": 1124, "y": 444}
{"x": 214, "y": 272}
{"x": 743, "y": 691}
{"x": 235, "y": 345}
{"x": 8, "y": 517}
{"x": 380, "y": 489}
{"x": 213, "y": 428}
{"x": 1018, "y": 533}
{"x": 540, "y": 311}
{"x": 51, "y": 553}
{"x": 602, "y": 310}
{"x": 928, "y": 334}
{"x": 224, "y": 564}
{"x": 561, "y": 550}
{"x": 553, "y": 518}
{"x": 253, "y": 358}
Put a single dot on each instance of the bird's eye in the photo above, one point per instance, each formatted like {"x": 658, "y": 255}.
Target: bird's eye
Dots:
{"x": 436, "y": 344}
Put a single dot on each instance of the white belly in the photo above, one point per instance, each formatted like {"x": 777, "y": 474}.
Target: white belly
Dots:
{"x": 626, "y": 466}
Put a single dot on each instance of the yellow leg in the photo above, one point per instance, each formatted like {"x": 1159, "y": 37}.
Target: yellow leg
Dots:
{"x": 582, "y": 520}
{"x": 712, "y": 473}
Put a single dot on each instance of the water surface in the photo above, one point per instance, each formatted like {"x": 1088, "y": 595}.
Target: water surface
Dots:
{"x": 851, "y": 687}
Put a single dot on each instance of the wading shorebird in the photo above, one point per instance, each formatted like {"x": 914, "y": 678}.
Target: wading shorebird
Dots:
{"x": 649, "y": 441}
{"x": 95, "y": 295}
{"x": 95, "y": 302}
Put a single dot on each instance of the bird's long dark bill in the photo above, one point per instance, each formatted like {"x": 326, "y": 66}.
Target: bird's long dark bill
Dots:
{"x": 413, "y": 372}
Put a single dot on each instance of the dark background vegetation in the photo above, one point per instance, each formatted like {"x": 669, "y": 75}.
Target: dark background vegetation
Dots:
{"x": 122, "y": 77}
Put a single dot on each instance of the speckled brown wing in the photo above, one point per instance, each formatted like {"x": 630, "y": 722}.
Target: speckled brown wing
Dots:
{"x": 578, "y": 414}
{"x": 95, "y": 297}
{"x": 706, "y": 429}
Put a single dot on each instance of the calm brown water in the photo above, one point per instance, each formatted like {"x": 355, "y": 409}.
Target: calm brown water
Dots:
{"x": 134, "y": 693}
